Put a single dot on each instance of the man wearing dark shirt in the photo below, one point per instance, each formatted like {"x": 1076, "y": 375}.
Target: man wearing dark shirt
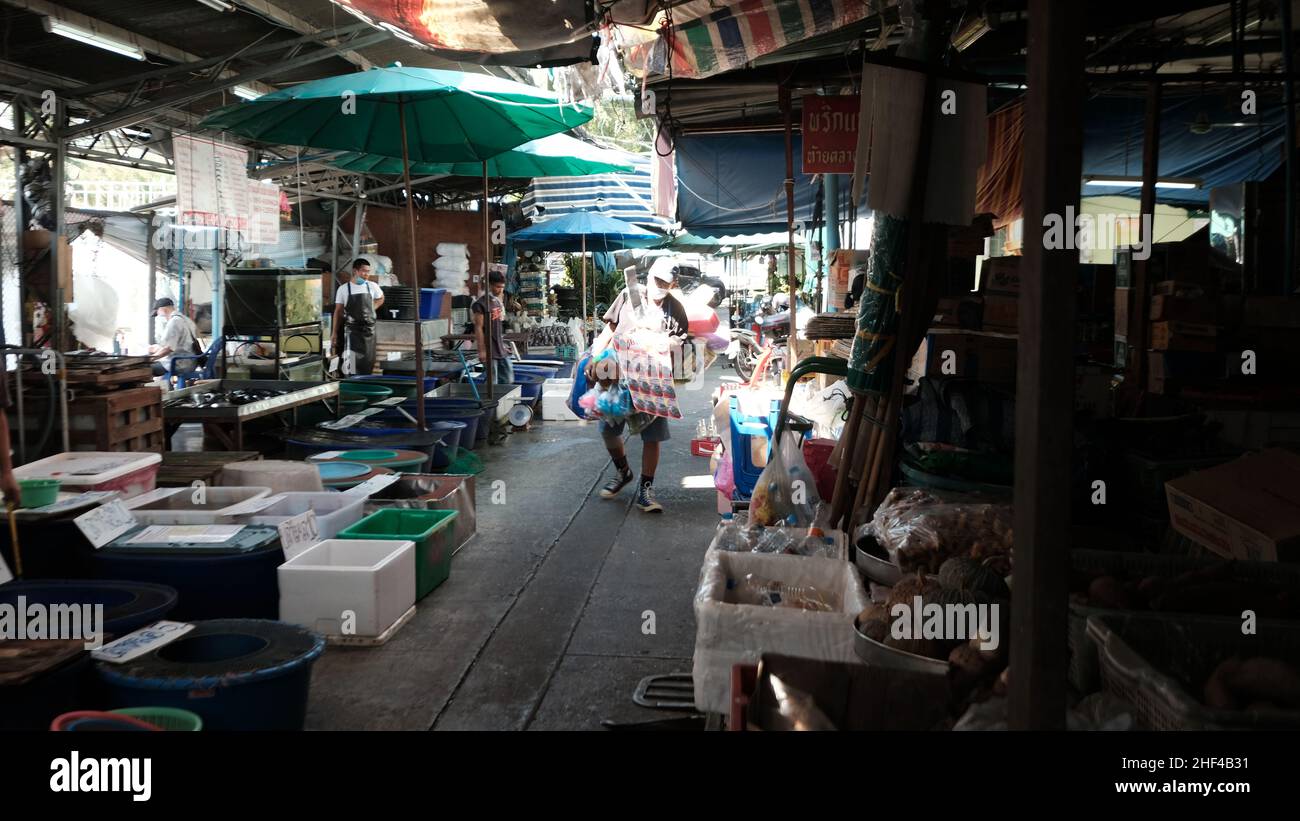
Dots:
{"x": 491, "y": 303}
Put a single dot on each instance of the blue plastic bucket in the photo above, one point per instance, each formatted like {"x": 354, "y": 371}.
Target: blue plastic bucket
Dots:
{"x": 235, "y": 674}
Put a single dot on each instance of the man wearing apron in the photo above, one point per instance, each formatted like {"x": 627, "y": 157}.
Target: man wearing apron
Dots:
{"x": 355, "y": 303}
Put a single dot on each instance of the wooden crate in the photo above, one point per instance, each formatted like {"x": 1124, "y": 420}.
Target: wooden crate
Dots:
{"x": 128, "y": 419}
{"x": 181, "y": 469}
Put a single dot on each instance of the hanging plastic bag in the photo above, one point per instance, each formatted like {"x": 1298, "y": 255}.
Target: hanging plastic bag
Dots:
{"x": 804, "y": 496}
{"x": 771, "y": 501}
{"x": 579, "y": 389}
{"x": 724, "y": 478}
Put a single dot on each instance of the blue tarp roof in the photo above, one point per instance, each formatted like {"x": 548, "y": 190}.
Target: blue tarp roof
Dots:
{"x": 733, "y": 183}
{"x": 1112, "y": 142}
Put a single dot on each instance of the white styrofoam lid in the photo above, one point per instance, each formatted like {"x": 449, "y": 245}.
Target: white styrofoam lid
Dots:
{"x": 87, "y": 467}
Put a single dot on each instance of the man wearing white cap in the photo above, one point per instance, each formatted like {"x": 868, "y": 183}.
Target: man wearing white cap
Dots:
{"x": 621, "y": 316}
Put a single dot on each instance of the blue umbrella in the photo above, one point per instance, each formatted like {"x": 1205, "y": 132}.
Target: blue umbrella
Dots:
{"x": 581, "y": 230}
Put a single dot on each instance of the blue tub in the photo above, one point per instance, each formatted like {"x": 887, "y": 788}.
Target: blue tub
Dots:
{"x": 235, "y": 674}
{"x": 469, "y": 415}
{"x": 530, "y": 383}
{"x": 128, "y": 605}
{"x": 445, "y": 452}
{"x": 563, "y": 370}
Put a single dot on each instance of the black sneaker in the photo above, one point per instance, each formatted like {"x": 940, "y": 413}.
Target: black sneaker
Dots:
{"x": 645, "y": 499}
{"x": 613, "y": 486}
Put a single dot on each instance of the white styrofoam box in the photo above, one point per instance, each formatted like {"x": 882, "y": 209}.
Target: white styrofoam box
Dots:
{"x": 452, "y": 249}
{"x": 729, "y": 632}
{"x": 334, "y": 511}
{"x": 374, "y": 580}
{"x": 403, "y": 331}
{"x": 128, "y": 473}
{"x": 190, "y": 506}
{"x": 555, "y": 407}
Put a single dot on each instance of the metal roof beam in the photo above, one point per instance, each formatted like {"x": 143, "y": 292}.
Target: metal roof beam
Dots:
{"x": 188, "y": 94}
{"x": 271, "y": 11}
{"x": 198, "y": 64}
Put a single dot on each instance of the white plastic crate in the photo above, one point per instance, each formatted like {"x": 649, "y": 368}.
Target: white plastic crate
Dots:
{"x": 334, "y": 511}
{"x": 348, "y": 587}
{"x": 190, "y": 506}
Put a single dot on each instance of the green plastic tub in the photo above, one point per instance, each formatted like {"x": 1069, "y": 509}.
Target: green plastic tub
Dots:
{"x": 38, "y": 492}
{"x": 432, "y": 532}
{"x": 168, "y": 718}
{"x": 372, "y": 392}
{"x": 351, "y": 403}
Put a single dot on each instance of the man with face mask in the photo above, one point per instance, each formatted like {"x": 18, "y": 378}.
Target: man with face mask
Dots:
{"x": 657, "y": 302}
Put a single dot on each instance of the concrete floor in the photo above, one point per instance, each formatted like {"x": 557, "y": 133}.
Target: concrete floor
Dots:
{"x": 541, "y": 624}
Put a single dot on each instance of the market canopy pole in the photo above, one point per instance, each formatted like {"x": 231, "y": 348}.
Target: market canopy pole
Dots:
{"x": 415, "y": 277}
{"x": 584, "y": 278}
{"x": 486, "y": 283}
{"x": 789, "y": 224}
{"x": 1044, "y": 380}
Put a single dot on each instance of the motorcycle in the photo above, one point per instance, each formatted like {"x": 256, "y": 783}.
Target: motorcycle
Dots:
{"x": 766, "y": 326}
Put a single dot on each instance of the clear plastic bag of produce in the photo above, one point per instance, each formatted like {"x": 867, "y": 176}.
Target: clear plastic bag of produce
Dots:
{"x": 786, "y": 492}
{"x": 920, "y": 528}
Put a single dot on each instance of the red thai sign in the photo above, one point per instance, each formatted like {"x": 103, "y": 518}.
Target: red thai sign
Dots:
{"x": 830, "y": 134}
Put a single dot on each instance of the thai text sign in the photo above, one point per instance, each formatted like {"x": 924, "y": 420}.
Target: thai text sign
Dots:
{"x": 830, "y": 134}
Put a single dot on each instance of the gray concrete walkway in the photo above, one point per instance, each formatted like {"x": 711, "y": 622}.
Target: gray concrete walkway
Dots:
{"x": 541, "y": 624}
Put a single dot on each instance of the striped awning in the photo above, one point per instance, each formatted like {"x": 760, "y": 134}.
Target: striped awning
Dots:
{"x": 624, "y": 196}
{"x": 732, "y": 36}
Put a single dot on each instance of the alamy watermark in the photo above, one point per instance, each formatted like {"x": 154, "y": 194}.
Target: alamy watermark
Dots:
{"x": 1098, "y": 232}
{"x": 26, "y": 621}
{"x": 946, "y": 622}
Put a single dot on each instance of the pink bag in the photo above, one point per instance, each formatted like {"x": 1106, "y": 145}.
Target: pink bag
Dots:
{"x": 724, "y": 479}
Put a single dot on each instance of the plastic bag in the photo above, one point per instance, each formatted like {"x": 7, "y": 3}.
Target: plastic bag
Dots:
{"x": 771, "y": 500}
{"x": 724, "y": 477}
{"x": 805, "y": 497}
{"x": 921, "y": 528}
{"x": 579, "y": 390}
{"x": 776, "y": 540}
{"x": 753, "y": 589}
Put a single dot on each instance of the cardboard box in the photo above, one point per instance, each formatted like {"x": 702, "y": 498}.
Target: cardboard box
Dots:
{"x": 975, "y": 355}
{"x": 1185, "y": 309}
{"x": 1246, "y": 509}
{"x": 1001, "y": 313}
{"x": 1123, "y": 308}
{"x": 1183, "y": 336}
{"x": 1000, "y": 275}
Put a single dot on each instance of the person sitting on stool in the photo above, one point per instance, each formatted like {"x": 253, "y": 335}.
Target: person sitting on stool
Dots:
{"x": 178, "y": 336}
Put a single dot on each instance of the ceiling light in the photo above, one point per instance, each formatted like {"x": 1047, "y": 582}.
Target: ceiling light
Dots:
{"x": 219, "y": 5}
{"x": 1136, "y": 182}
{"x": 971, "y": 30}
{"x": 91, "y": 38}
{"x": 245, "y": 93}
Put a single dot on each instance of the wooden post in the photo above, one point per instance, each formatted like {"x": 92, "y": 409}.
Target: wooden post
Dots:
{"x": 792, "y": 346}
{"x": 1045, "y": 378}
{"x": 1138, "y": 323}
{"x": 415, "y": 280}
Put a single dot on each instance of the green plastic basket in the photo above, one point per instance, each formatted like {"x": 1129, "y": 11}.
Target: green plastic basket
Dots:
{"x": 431, "y": 530}
{"x": 168, "y": 718}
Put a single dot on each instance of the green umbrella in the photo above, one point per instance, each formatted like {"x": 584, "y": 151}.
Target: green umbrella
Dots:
{"x": 558, "y": 155}
{"x": 449, "y": 116}
{"x": 422, "y": 115}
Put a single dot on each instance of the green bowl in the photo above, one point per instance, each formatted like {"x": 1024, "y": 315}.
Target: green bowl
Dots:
{"x": 38, "y": 492}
